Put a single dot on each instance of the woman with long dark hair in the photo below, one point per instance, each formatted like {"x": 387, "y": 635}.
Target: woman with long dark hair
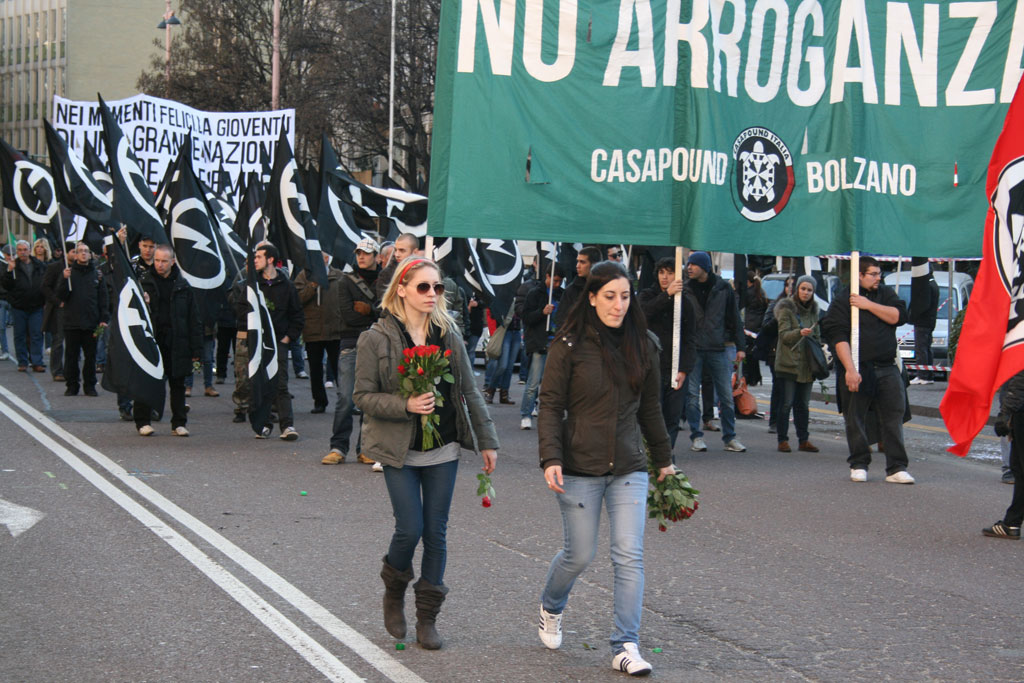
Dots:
{"x": 420, "y": 483}
{"x": 599, "y": 401}
{"x": 798, "y": 318}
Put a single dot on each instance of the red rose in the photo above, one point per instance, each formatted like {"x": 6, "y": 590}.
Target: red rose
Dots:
{"x": 435, "y": 348}
{"x": 421, "y": 352}
{"x": 401, "y": 369}
{"x": 486, "y": 501}
{"x": 419, "y": 371}
{"x": 447, "y": 353}
{"x": 662, "y": 527}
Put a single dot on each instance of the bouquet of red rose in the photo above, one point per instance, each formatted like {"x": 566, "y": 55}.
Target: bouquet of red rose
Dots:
{"x": 422, "y": 370}
{"x": 673, "y": 498}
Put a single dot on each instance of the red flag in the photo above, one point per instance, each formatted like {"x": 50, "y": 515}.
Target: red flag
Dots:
{"x": 991, "y": 347}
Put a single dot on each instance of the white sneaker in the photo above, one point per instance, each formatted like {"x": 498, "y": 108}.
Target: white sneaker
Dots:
{"x": 146, "y": 430}
{"x": 902, "y": 477}
{"x": 698, "y": 445}
{"x": 526, "y": 423}
{"x": 377, "y": 467}
{"x": 858, "y": 475}
{"x": 735, "y": 446}
{"x": 630, "y": 661}
{"x": 328, "y": 384}
{"x": 4, "y": 355}
{"x": 289, "y": 434}
{"x": 180, "y": 431}
{"x": 550, "y": 629}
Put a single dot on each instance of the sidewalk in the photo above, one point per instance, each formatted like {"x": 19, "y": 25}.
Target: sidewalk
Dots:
{"x": 924, "y": 400}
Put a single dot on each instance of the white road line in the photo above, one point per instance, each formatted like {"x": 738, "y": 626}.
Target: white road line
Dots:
{"x": 345, "y": 634}
{"x": 279, "y": 625}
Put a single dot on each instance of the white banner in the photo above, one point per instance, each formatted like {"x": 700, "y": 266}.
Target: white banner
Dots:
{"x": 156, "y": 127}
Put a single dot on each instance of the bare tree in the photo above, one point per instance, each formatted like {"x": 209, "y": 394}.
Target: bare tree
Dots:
{"x": 334, "y": 71}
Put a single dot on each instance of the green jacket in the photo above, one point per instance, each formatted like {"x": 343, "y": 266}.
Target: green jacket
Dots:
{"x": 790, "y": 357}
{"x": 388, "y": 428}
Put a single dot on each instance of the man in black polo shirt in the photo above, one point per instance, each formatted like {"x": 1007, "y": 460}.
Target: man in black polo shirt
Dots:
{"x": 878, "y": 386}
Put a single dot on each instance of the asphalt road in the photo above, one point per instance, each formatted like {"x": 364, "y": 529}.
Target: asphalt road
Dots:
{"x": 170, "y": 559}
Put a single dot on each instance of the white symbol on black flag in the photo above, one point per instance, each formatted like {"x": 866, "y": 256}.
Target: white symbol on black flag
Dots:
{"x": 249, "y": 225}
{"x": 292, "y": 226}
{"x": 262, "y": 346}
{"x": 503, "y": 264}
{"x": 135, "y": 368}
{"x": 133, "y": 199}
{"x": 74, "y": 183}
{"x": 27, "y": 186}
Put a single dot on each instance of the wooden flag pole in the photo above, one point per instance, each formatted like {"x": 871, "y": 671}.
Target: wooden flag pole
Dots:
{"x": 677, "y": 318}
{"x": 428, "y": 247}
{"x": 11, "y": 245}
{"x": 854, "y": 311}
{"x": 64, "y": 243}
{"x": 551, "y": 287}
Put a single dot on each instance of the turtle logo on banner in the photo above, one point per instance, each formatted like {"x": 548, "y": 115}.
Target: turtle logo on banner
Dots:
{"x": 1008, "y": 244}
{"x": 764, "y": 176}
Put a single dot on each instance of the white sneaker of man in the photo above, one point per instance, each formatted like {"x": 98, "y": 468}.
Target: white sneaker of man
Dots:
{"x": 526, "y": 423}
{"x": 734, "y": 446}
{"x": 630, "y": 661}
{"x": 328, "y": 384}
{"x": 901, "y": 477}
{"x": 858, "y": 475}
{"x": 698, "y": 445}
{"x": 289, "y": 434}
{"x": 180, "y": 431}
{"x": 550, "y": 629}
{"x": 377, "y": 467}
{"x": 146, "y": 430}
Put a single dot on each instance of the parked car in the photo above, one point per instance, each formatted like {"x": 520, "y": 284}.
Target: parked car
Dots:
{"x": 962, "y": 286}
{"x": 773, "y": 284}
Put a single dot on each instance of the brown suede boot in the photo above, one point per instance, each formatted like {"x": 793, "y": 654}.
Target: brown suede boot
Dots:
{"x": 505, "y": 399}
{"x": 395, "y": 583}
{"x": 429, "y": 599}
{"x": 489, "y": 394}
{"x": 808, "y": 447}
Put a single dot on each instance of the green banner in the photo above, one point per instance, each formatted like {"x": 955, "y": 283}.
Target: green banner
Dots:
{"x": 760, "y": 126}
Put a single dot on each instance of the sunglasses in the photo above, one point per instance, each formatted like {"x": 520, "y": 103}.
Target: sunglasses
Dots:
{"x": 424, "y": 287}
{"x": 614, "y": 254}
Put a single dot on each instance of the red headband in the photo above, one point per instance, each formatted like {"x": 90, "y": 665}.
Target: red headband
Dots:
{"x": 408, "y": 266}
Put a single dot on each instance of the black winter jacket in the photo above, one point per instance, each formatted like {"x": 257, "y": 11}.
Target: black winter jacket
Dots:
{"x": 85, "y": 301}
{"x": 184, "y": 340}
{"x": 353, "y": 288}
{"x": 719, "y": 322}
{"x": 24, "y": 284}
{"x": 535, "y": 334}
{"x": 657, "y": 308}
{"x": 590, "y": 422}
{"x": 283, "y": 302}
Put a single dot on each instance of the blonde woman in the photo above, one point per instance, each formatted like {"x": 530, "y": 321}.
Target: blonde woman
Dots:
{"x": 420, "y": 483}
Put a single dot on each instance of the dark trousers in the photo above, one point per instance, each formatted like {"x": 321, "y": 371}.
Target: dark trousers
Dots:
{"x": 179, "y": 416}
{"x": 775, "y": 405}
{"x": 315, "y": 351}
{"x": 707, "y": 394}
{"x": 283, "y": 399}
{"x": 225, "y": 340}
{"x": 923, "y": 350}
{"x": 1015, "y": 513}
{"x": 888, "y": 403}
{"x": 673, "y": 402}
{"x": 79, "y": 342}
{"x": 57, "y": 346}
{"x": 795, "y": 396}
{"x": 420, "y": 499}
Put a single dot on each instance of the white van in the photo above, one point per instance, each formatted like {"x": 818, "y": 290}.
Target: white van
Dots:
{"x": 962, "y": 286}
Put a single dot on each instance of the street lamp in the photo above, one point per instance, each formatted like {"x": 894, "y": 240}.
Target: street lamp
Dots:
{"x": 166, "y": 23}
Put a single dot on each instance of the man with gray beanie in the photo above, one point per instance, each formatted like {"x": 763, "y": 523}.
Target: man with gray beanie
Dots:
{"x": 718, "y": 321}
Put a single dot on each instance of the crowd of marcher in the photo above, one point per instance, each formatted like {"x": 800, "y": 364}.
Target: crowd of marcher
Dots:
{"x": 662, "y": 357}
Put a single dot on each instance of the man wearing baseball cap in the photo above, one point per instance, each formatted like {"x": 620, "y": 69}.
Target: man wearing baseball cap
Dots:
{"x": 718, "y": 321}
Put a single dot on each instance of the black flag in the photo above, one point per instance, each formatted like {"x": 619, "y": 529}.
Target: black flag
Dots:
{"x": 75, "y": 185}
{"x": 134, "y": 367}
{"x": 292, "y": 226}
{"x": 262, "y": 346}
{"x": 27, "y": 186}
{"x": 335, "y": 219}
{"x": 249, "y": 224}
{"x": 503, "y": 264}
{"x": 924, "y": 291}
{"x": 133, "y": 199}
{"x": 194, "y": 237}
{"x": 458, "y": 260}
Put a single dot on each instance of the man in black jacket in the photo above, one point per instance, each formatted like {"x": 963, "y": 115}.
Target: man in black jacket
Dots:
{"x": 717, "y": 322}
{"x": 83, "y": 294}
{"x": 924, "y": 309}
{"x": 178, "y": 331}
{"x": 288, "y": 318}
{"x": 23, "y": 281}
{"x": 587, "y": 258}
{"x": 536, "y": 313}
{"x": 878, "y": 384}
{"x": 658, "y": 303}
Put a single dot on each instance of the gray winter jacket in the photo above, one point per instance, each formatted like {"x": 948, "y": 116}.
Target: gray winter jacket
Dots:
{"x": 388, "y": 428}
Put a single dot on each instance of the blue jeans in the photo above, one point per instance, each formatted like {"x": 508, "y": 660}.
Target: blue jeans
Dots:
{"x": 28, "y": 326}
{"x": 101, "y": 347}
{"x": 537, "y": 362}
{"x": 295, "y": 346}
{"x": 420, "y": 499}
{"x": 721, "y": 375}
{"x": 208, "y": 346}
{"x": 625, "y": 500}
{"x": 795, "y": 396}
{"x": 499, "y": 372}
{"x": 342, "y": 431}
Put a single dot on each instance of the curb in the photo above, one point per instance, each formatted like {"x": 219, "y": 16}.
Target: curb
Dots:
{"x": 922, "y": 411}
